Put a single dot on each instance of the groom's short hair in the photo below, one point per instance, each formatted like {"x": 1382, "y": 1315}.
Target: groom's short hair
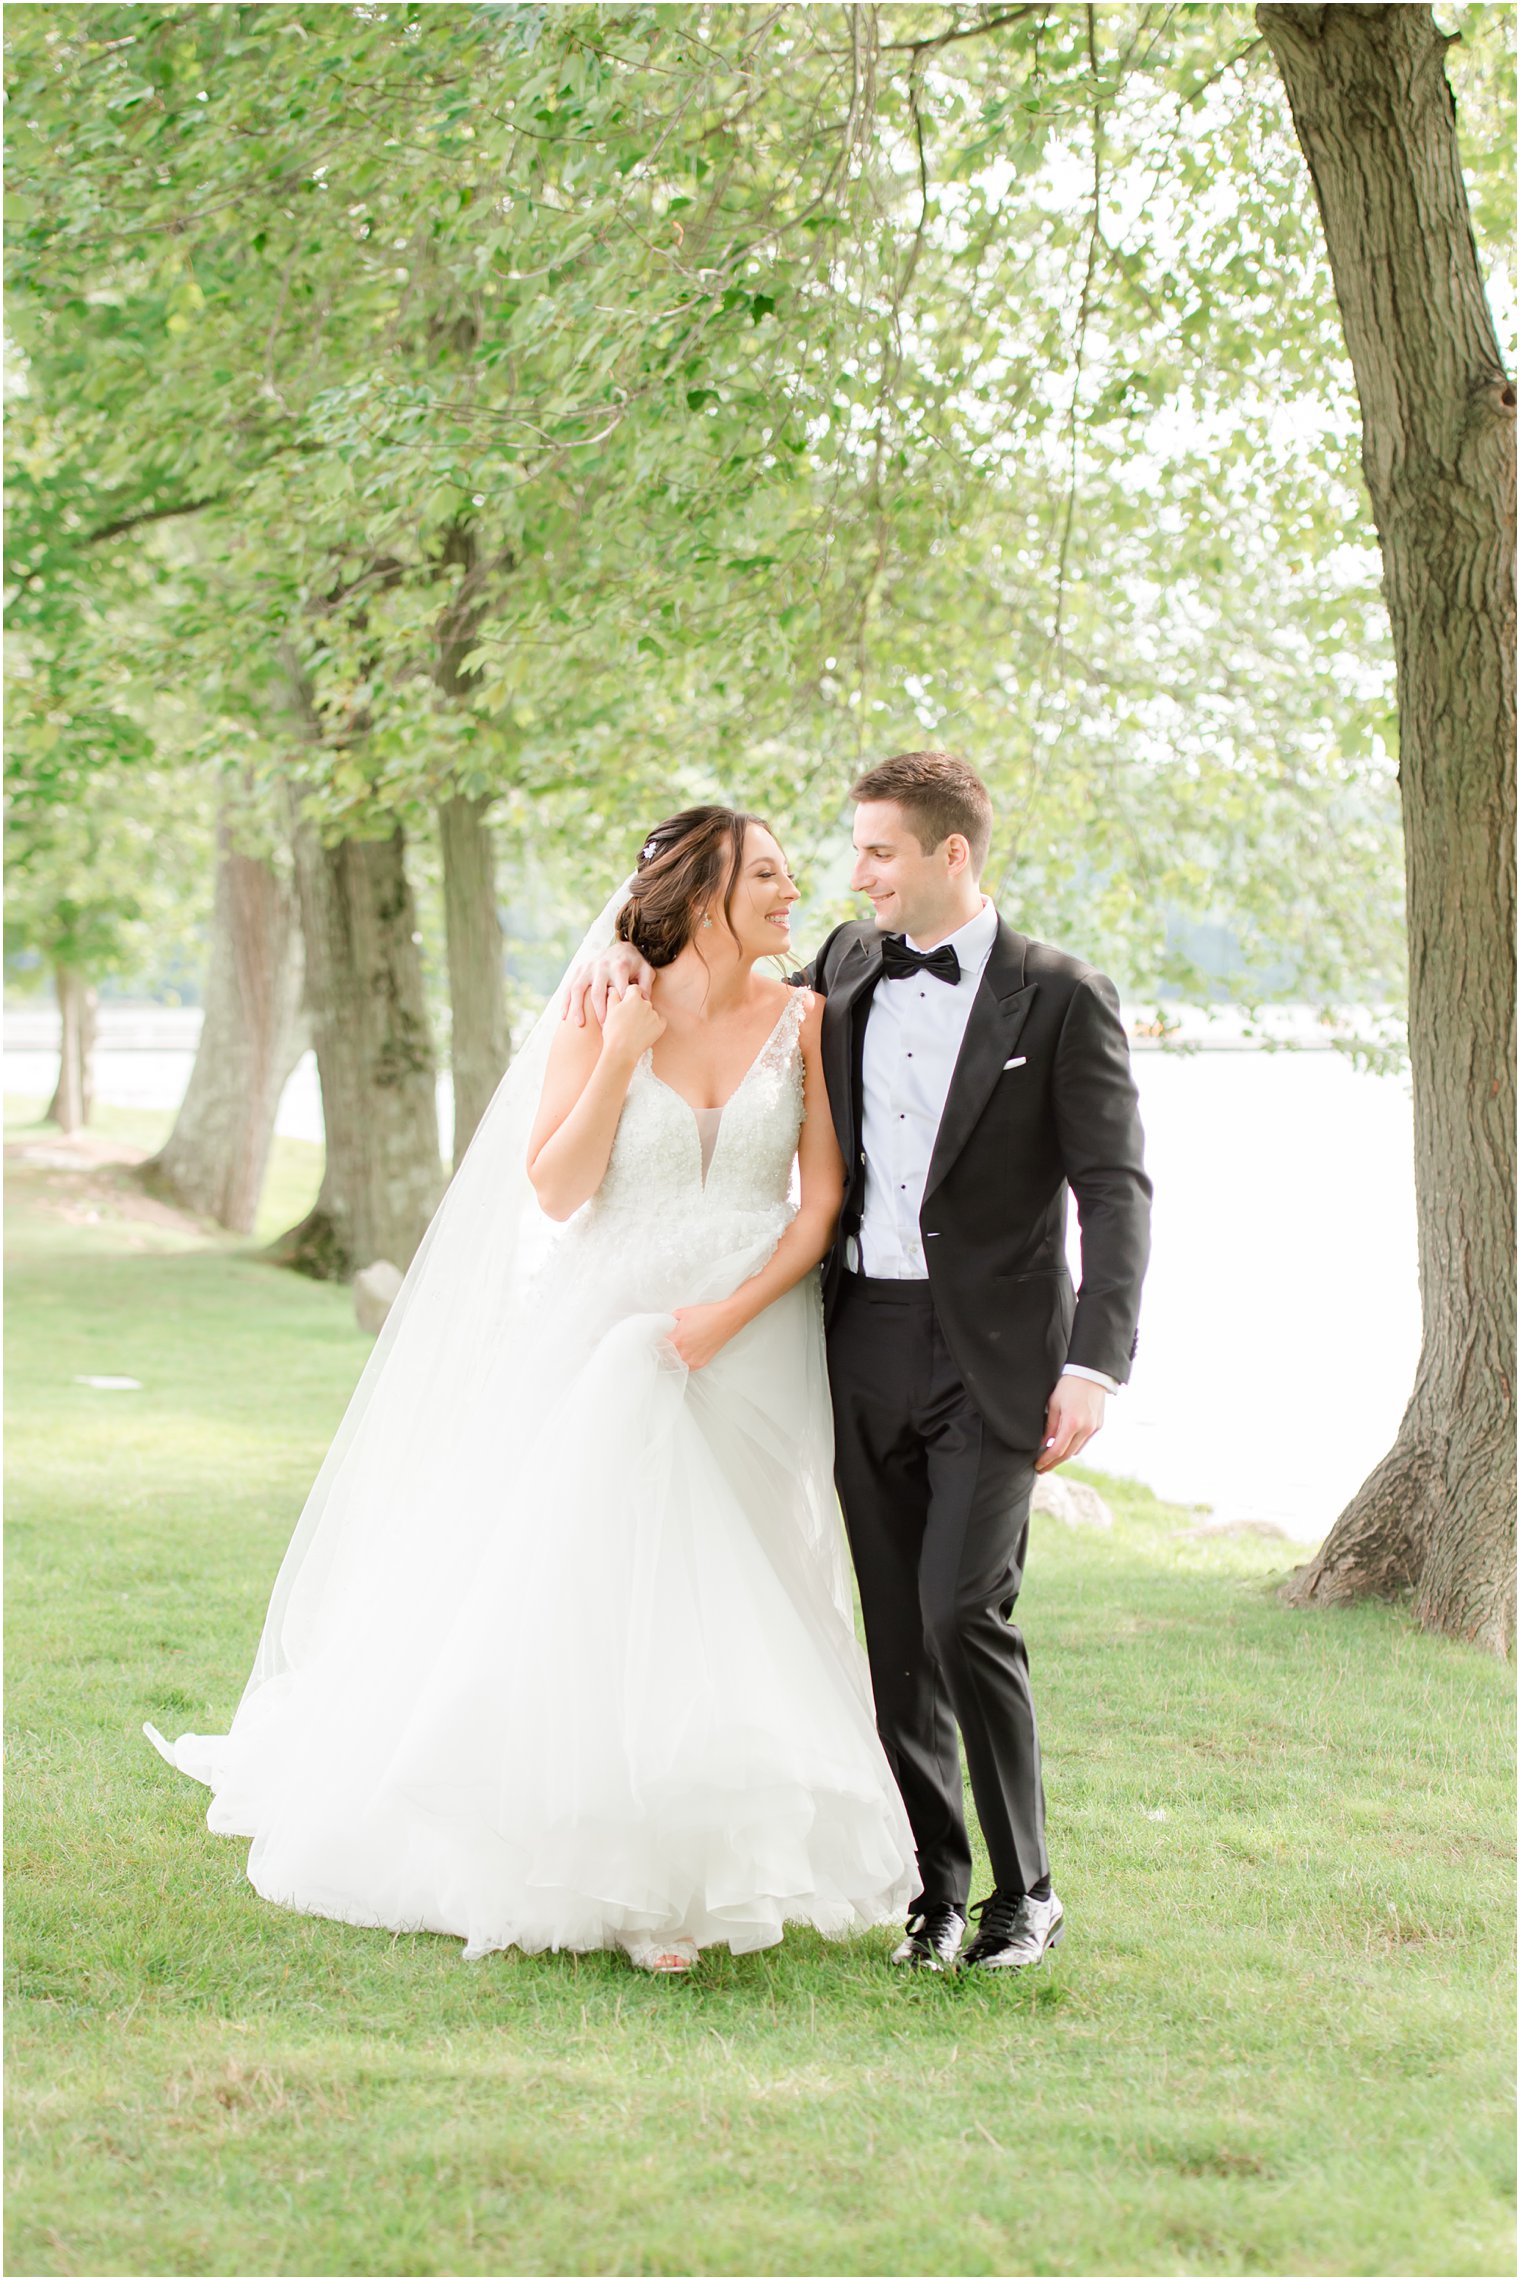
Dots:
{"x": 938, "y": 794}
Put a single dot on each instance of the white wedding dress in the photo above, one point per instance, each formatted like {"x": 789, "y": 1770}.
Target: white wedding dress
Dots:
{"x": 565, "y": 1658}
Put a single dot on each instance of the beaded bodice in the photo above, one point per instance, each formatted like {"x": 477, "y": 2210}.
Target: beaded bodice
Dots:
{"x": 656, "y": 1166}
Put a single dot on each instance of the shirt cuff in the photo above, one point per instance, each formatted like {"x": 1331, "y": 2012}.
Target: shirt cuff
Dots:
{"x": 1075, "y": 1369}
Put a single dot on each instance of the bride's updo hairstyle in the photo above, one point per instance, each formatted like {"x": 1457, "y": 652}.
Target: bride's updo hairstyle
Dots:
{"x": 687, "y": 866}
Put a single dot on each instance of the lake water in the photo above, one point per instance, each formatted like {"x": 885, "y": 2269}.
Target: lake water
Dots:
{"x": 1281, "y": 1322}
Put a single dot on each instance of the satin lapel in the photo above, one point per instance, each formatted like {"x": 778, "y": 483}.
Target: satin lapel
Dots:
{"x": 1000, "y": 1010}
{"x": 844, "y": 1010}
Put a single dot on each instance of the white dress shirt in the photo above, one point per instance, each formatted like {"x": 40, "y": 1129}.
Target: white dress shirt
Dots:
{"x": 914, "y": 1032}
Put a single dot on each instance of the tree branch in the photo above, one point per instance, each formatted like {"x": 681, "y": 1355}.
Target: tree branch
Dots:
{"x": 966, "y": 32}
{"x": 152, "y": 515}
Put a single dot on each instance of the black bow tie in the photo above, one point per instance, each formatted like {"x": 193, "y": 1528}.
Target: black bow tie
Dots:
{"x": 898, "y": 961}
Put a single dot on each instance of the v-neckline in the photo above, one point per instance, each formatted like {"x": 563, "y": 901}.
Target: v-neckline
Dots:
{"x": 722, "y": 1105}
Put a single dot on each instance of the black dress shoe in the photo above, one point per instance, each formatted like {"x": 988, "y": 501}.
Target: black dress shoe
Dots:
{"x": 1013, "y": 1932}
{"x": 932, "y": 1941}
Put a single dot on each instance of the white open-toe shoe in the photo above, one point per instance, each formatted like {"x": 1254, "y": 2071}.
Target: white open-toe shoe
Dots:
{"x": 654, "y": 1954}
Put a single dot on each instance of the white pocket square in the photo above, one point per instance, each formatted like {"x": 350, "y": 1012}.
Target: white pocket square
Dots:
{"x": 1017, "y": 1062}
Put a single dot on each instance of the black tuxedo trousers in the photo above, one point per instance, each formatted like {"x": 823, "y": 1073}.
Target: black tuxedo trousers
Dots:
{"x": 937, "y": 1510}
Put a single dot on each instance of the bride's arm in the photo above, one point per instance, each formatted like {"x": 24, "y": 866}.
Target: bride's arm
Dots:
{"x": 701, "y": 1331}
{"x": 585, "y": 1085}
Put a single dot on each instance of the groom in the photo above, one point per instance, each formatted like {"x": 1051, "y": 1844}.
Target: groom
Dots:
{"x": 974, "y": 1076}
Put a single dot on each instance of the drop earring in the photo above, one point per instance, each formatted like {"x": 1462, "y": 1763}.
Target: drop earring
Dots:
{"x": 706, "y": 921}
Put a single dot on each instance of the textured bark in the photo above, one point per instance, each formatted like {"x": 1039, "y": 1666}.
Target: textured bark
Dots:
{"x": 74, "y": 1093}
{"x": 477, "y": 999}
{"x": 382, "y": 1176}
{"x": 252, "y": 1035}
{"x": 1375, "y": 118}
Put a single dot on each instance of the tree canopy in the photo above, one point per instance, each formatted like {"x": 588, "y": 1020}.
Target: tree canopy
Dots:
{"x": 606, "y": 405}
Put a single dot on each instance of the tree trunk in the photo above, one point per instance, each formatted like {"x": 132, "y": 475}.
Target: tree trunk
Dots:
{"x": 74, "y": 1093}
{"x": 382, "y": 1177}
{"x": 252, "y": 1035}
{"x": 477, "y": 1000}
{"x": 476, "y": 997}
{"x": 1375, "y": 118}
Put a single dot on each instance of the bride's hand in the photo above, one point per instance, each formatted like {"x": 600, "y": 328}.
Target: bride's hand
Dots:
{"x": 701, "y": 1332}
{"x": 605, "y": 979}
{"x": 631, "y": 1027}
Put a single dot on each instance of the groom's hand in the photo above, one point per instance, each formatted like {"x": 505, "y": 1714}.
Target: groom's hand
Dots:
{"x": 613, "y": 974}
{"x": 1072, "y": 1416}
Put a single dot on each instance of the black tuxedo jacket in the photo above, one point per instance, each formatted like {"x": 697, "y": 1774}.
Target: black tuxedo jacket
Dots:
{"x": 1011, "y": 1142}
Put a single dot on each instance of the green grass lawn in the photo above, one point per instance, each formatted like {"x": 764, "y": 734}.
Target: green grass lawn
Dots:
{"x": 1276, "y": 2040}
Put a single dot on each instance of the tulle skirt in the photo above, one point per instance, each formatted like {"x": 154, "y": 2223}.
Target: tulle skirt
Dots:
{"x": 587, "y": 1674}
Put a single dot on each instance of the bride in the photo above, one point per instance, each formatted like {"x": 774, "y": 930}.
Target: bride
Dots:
{"x": 561, "y": 1653}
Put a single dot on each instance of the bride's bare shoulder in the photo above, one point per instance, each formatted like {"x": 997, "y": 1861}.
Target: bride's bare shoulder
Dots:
{"x": 779, "y": 994}
{"x": 781, "y": 997}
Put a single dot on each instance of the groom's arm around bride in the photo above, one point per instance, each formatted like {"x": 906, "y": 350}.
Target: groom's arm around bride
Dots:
{"x": 1032, "y": 1096}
